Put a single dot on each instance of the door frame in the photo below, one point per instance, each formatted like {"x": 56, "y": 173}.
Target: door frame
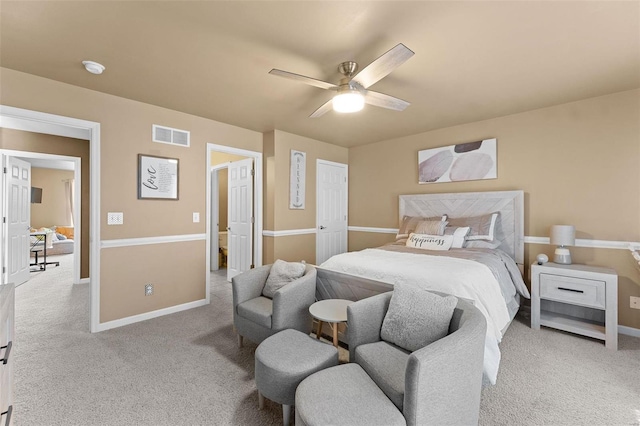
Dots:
{"x": 346, "y": 202}
{"x": 257, "y": 203}
{"x": 77, "y": 200}
{"x": 58, "y": 125}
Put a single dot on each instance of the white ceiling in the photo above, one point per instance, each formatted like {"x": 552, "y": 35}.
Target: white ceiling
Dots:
{"x": 474, "y": 60}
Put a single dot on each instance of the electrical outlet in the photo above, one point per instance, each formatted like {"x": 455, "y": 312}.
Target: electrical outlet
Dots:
{"x": 196, "y": 217}
{"x": 635, "y": 302}
{"x": 148, "y": 289}
{"x": 115, "y": 218}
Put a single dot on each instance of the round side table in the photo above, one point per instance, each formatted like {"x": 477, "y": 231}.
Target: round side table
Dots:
{"x": 332, "y": 311}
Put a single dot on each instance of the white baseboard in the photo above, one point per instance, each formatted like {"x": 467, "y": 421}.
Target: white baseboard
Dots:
{"x": 629, "y": 331}
{"x": 149, "y": 315}
{"x": 84, "y": 281}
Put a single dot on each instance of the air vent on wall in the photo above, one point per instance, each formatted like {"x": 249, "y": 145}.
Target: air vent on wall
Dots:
{"x": 171, "y": 136}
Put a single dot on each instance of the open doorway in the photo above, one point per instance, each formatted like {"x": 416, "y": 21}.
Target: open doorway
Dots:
{"x": 227, "y": 226}
{"x": 51, "y": 124}
{"x": 55, "y": 211}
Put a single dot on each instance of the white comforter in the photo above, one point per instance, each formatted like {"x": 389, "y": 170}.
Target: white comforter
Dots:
{"x": 461, "y": 277}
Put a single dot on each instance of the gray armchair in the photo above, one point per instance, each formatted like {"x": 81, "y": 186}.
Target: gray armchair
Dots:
{"x": 439, "y": 384}
{"x": 257, "y": 317}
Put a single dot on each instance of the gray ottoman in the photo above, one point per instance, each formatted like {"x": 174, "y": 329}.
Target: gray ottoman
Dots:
{"x": 284, "y": 360}
{"x": 344, "y": 395}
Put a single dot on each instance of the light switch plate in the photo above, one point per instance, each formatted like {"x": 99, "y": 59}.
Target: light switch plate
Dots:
{"x": 115, "y": 218}
{"x": 196, "y": 217}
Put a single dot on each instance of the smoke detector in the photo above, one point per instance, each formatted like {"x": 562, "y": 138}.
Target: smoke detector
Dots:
{"x": 93, "y": 67}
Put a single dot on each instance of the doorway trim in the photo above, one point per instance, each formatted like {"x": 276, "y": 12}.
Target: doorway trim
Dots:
{"x": 58, "y": 125}
{"x": 77, "y": 199}
{"x": 257, "y": 202}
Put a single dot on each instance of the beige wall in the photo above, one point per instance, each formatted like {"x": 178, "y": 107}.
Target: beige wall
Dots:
{"x": 48, "y": 144}
{"x": 125, "y": 133}
{"x": 278, "y": 216}
{"x": 577, "y": 163}
{"x": 53, "y": 209}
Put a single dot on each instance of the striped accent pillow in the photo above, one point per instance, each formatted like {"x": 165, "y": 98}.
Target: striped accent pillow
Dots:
{"x": 409, "y": 224}
{"x": 431, "y": 227}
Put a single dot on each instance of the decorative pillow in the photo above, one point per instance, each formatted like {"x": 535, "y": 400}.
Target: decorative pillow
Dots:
{"x": 430, "y": 242}
{"x": 416, "y": 317}
{"x": 60, "y": 237}
{"x": 459, "y": 235}
{"x": 67, "y": 231}
{"x": 431, "y": 227}
{"x": 281, "y": 274}
{"x": 409, "y": 224}
{"x": 482, "y": 227}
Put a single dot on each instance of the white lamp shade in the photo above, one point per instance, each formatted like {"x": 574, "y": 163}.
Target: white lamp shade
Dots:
{"x": 563, "y": 235}
{"x": 348, "y": 101}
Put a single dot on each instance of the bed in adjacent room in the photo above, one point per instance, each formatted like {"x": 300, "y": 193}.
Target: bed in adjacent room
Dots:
{"x": 470, "y": 245}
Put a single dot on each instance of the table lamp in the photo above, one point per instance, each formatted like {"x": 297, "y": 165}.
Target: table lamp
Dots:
{"x": 562, "y": 236}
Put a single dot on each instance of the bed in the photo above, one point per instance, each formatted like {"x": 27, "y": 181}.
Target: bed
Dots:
{"x": 489, "y": 273}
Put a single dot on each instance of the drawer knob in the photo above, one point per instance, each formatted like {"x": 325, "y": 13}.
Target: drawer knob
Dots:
{"x": 570, "y": 289}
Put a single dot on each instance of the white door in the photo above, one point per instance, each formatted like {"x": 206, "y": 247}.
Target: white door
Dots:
{"x": 18, "y": 215}
{"x": 240, "y": 217}
{"x": 331, "y": 216}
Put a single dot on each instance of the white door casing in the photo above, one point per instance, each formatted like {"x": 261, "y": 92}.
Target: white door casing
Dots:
{"x": 18, "y": 218}
{"x": 331, "y": 213}
{"x": 240, "y": 217}
{"x": 215, "y": 220}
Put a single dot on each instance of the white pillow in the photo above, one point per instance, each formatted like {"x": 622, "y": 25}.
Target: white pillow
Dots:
{"x": 459, "y": 235}
{"x": 430, "y": 242}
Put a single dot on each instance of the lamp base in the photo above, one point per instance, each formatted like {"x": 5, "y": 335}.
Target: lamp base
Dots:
{"x": 562, "y": 256}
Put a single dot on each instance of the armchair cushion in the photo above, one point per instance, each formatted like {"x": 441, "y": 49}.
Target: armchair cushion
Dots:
{"x": 385, "y": 364}
{"x": 257, "y": 310}
{"x": 409, "y": 325}
{"x": 281, "y": 274}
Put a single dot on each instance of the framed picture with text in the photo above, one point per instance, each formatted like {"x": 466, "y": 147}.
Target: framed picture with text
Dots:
{"x": 157, "y": 178}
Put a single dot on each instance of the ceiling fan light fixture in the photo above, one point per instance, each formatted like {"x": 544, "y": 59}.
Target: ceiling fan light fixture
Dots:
{"x": 348, "y": 101}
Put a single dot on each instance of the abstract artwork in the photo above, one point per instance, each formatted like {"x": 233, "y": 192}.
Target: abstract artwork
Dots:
{"x": 456, "y": 163}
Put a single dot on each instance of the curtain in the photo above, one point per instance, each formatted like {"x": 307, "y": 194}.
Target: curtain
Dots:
{"x": 69, "y": 195}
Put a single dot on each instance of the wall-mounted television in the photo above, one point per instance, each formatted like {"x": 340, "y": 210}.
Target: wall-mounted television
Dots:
{"x": 36, "y": 195}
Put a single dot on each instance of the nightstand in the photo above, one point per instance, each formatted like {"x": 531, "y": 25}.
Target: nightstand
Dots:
{"x": 579, "y": 299}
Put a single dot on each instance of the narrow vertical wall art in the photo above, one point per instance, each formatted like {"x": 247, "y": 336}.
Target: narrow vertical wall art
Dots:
{"x": 297, "y": 180}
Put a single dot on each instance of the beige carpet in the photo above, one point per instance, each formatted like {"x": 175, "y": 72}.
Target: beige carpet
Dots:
{"x": 185, "y": 369}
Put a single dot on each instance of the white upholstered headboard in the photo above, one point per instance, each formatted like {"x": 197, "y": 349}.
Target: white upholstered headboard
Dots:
{"x": 510, "y": 204}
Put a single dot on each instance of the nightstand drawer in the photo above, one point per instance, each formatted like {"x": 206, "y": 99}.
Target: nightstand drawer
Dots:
{"x": 577, "y": 291}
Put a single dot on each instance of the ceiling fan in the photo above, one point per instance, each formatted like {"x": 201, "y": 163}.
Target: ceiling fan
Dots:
{"x": 352, "y": 91}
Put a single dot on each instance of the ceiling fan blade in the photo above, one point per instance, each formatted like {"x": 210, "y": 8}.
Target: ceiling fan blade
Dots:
{"x": 382, "y": 66}
{"x": 326, "y": 107}
{"x": 384, "y": 101}
{"x": 307, "y": 80}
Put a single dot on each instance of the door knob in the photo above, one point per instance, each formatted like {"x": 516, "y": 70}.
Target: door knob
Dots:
{"x": 322, "y": 227}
